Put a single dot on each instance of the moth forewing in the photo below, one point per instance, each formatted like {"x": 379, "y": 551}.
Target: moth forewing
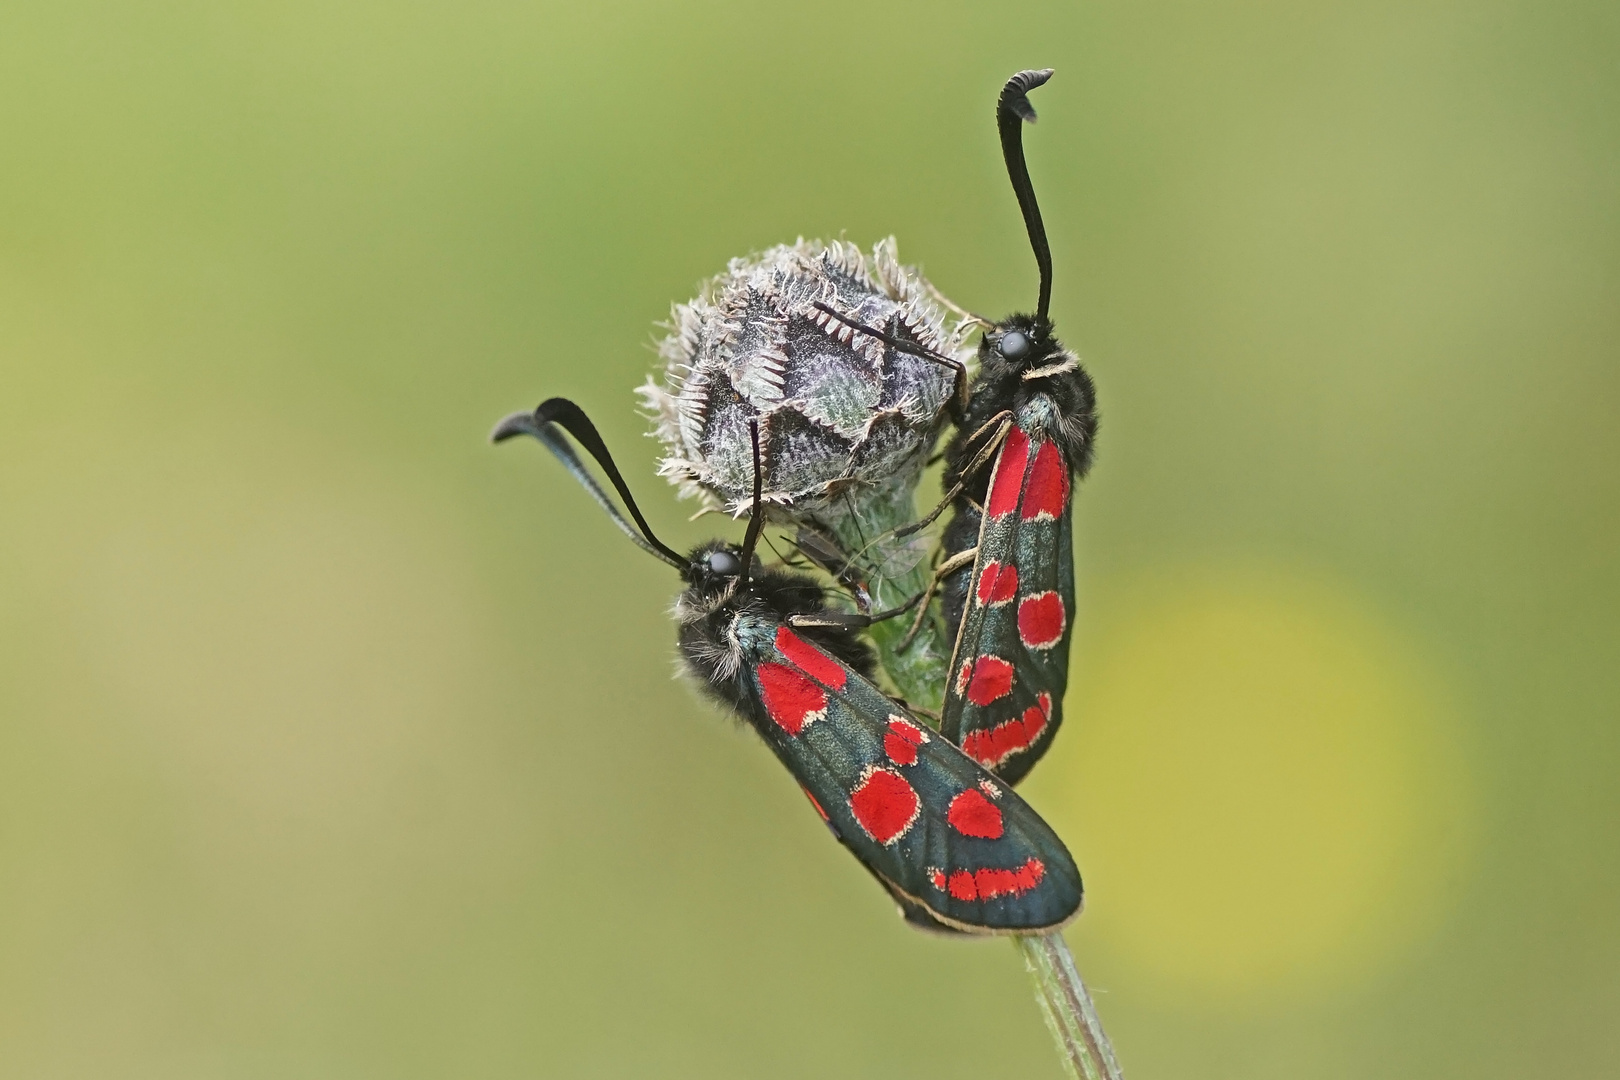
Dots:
{"x": 934, "y": 826}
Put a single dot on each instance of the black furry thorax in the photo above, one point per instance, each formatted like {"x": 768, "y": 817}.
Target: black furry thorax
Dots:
{"x": 1044, "y": 388}
{"x": 726, "y": 624}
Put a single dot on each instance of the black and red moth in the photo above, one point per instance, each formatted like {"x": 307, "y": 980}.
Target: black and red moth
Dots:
{"x": 1014, "y": 613}
{"x": 956, "y": 848}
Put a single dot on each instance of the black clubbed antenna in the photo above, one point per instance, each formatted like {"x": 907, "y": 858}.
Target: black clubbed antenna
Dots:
{"x": 560, "y": 412}
{"x": 898, "y": 344}
{"x": 959, "y": 383}
{"x": 756, "y": 519}
{"x": 1012, "y": 109}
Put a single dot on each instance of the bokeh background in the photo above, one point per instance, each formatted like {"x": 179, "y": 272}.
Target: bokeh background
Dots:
{"x": 335, "y": 743}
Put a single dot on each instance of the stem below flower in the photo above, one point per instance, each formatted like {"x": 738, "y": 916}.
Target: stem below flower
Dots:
{"x": 895, "y": 571}
{"x": 1070, "y": 1016}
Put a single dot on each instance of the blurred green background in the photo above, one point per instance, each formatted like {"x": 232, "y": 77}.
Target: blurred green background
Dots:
{"x": 335, "y": 743}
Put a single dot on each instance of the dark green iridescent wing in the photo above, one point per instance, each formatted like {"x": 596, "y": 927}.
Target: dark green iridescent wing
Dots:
{"x": 1009, "y": 668}
{"x": 938, "y": 829}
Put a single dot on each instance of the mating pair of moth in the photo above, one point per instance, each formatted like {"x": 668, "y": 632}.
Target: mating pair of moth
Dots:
{"x": 929, "y": 811}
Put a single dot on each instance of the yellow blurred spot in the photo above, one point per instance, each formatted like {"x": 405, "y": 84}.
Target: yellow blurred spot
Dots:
{"x": 1260, "y": 782}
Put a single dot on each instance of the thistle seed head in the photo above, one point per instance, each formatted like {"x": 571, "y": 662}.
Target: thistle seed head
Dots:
{"x": 840, "y": 412}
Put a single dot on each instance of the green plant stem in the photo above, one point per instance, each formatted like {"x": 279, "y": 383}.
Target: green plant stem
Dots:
{"x": 1070, "y": 1015}
{"x": 893, "y": 575}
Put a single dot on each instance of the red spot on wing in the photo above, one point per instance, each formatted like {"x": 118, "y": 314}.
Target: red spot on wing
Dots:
{"x": 792, "y": 700}
{"x": 961, "y": 886}
{"x": 885, "y": 805}
{"x": 1009, "y": 478}
{"x": 992, "y": 882}
{"x": 971, "y": 814}
{"x": 1041, "y": 620}
{"x": 809, "y": 659}
{"x": 992, "y": 746}
{"x": 1029, "y": 875}
{"x": 1048, "y": 490}
{"x": 937, "y": 877}
{"x": 998, "y": 584}
{"x": 902, "y": 739}
{"x": 813, "y": 802}
{"x": 984, "y": 679}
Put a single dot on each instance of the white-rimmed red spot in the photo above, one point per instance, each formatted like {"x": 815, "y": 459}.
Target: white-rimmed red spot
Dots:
{"x": 992, "y": 746}
{"x": 991, "y": 882}
{"x": 985, "y": 679}
{"x": 971, "y": 814}
{"x": 1047, "y": 492}
{"x": 1041, "y": 620}
{"x": 998, "y": 584}
{"x": 900, "y": 742}
{"x": 1009, "y": 478}
{"x": 809, "y": 659}
{"x": 885, "y": 804}
{"x": 792, "y": 700}
{"x": 937, "y": 877}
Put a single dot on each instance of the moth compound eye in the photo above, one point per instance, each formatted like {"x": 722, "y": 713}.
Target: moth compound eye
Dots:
{"x": 725, "y": 563}
{"x": 1014, "y": 345}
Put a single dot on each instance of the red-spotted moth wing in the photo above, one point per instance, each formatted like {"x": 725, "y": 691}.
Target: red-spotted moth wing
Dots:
{"x": 1009, "y": 668}
{"x": 935, "y": 827}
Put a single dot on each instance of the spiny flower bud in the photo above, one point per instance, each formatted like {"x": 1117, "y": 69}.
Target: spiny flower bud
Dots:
{"x": 840, "y": 412}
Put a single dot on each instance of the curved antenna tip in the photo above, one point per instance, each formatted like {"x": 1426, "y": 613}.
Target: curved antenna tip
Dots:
{"x": 1015, "y": 95}
{"x": 519, "y": 423}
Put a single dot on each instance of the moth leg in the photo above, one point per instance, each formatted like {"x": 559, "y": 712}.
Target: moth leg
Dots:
{"x": 950, "y": 566}
{"x": 1002, "y": 422}
{"x": 850, "y": 620}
